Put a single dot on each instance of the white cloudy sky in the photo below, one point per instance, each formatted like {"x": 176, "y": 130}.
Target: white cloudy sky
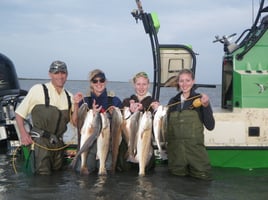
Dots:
{"x": 89, "y": 34}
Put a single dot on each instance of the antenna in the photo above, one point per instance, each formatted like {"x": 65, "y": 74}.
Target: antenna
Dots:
{"x": 252, "y": 10}
{"x": 138, "y": 2}
{"x": 252, "y": 5}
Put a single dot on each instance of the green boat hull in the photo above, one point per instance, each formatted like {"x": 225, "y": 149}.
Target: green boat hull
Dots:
{"x": 239, "y": 158}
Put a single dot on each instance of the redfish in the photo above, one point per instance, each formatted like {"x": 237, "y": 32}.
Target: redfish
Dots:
{"x": 81, "y": 115}
{"x": 130, "y": 128}
{"x": 116, "y": 134}
{"x": 89, "y": 133}
{"x": 144, "y": 142}
{"x": 159, "y": 129}
{"x": 103, "y": 143}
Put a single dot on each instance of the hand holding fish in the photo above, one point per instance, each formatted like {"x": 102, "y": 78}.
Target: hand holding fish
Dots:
{"x": 77, "y": 97}
{"x": 135, "y": 106}
{"x": 110, "y": 109}
{"x": 155, "y": 105}
{"x": 204, "y": 100}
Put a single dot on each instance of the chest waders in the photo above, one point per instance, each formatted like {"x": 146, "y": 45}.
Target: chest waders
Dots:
{"x": 51, "y": 123}
{"x": 186, "y": 151}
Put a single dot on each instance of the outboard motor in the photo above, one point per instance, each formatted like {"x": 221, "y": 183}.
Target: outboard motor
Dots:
{"x": 10, "y": 96}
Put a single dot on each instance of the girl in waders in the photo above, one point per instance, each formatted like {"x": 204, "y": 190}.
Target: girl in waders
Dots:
{"x": 188, "y": 113}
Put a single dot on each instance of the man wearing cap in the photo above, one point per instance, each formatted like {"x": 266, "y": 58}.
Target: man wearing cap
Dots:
{"x": 51, "y": 108}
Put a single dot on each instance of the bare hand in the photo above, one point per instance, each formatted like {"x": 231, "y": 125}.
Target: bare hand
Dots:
{"x": 111, "y": 108}
{"x": 77, "y": 97}
{"x": 96, "y": 108}
{"x": 155, "y": 105}
{"x": 26, "y": 139}
{"x": 135, "y": 106}
{"x": 204, "y": 100}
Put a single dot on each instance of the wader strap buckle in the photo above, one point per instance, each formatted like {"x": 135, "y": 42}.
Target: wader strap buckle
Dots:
{"x": 36, "y": 132}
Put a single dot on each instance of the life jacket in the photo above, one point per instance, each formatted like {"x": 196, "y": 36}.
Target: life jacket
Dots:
{"x": 49, "y": 118}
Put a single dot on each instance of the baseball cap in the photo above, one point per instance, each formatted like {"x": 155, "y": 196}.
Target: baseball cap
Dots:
{"x": 58, "y": 66}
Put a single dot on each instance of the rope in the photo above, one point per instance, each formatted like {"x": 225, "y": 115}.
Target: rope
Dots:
{"x": 13, "y": 159}
{"x": 49, "y": 149}
{"x": 178, "y": 102}
{"x": 43, "y": 147}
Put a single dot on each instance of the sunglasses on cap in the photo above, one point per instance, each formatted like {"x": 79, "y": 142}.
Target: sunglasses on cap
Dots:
{"x": 102, "y": 80}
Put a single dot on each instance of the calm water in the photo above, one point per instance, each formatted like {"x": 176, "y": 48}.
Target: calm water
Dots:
{"x": 231, "y": 184}
{"x": 125, "y": 89}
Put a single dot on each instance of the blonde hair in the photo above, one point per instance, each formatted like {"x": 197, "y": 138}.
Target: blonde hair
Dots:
{"x": 184, "y": 71}
{"x": 140, "y": 74}
{"x": 93, "y": 74}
